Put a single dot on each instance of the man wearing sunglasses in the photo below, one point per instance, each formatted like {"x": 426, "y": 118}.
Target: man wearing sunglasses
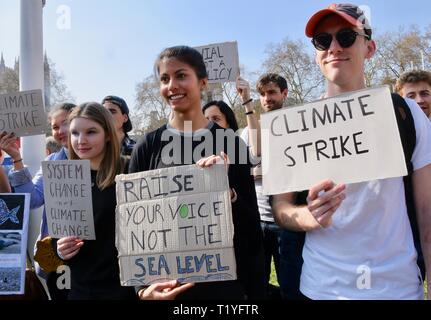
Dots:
{"x": 359, "y": 242}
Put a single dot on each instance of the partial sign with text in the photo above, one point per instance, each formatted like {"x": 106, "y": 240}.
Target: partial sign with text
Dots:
{"x": 221, "y": 61}
{"x": 23, "y": 113}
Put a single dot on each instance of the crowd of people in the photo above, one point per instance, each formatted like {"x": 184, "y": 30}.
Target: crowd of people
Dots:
{"x": 317, "y": 239}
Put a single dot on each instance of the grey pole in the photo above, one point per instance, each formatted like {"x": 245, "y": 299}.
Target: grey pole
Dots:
{"x": 31, "y": 77}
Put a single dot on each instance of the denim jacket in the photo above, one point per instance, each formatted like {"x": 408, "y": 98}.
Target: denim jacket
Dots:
{"x": 22, "y": 182}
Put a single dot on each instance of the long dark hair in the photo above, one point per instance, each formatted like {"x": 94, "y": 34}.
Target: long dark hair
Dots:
{"x": 187, "y": 55}
{"x": 226, "y": 110}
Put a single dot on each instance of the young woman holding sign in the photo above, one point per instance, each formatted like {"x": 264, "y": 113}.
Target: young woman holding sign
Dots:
{"x": 182, "y": 77}
{"x": 22, "y": 181}
{"x": 93, "y": 263}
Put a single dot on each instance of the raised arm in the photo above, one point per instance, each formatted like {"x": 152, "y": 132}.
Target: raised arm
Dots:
{"x": 323, "y": 200}
{"x": 243, "y": 88}
{"x": 4, "y": 182}
{"x": 20, "y": 178}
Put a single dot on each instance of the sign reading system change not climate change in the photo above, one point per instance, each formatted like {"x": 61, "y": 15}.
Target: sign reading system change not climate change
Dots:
{"x": 68, "y": 202}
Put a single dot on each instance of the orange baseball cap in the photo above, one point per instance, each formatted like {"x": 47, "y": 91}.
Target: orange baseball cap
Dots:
{"x": 349, "y": 12}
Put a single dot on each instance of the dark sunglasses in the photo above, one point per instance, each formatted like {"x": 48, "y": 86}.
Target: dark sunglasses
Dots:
{"x": 345, "y": 37}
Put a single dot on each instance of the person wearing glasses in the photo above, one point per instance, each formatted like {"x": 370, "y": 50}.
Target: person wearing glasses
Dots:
{"x": 120, "y": 112}
{"x": 359, "y": 242}
{"x": 416, "y": 85}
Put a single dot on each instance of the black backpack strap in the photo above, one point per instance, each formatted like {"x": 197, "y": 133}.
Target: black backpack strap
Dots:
{"x": 406, "y": 127}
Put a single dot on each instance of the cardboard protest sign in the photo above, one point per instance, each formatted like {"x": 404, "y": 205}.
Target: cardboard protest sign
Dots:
{"x": 221, "y": 61}
{"x": 14, "y": 216}
{"x": 175, "y": 223}
{"x": 349, "y": 138}
{"x": 68, "y": 204}
{"x": 23, "y": 113}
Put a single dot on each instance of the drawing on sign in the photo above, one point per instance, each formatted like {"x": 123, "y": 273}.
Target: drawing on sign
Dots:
{"x": 331, "y": 139}
{"x": 6, "y": 214}
{"x": 13, "y": 243}
{"x": 175, "y": 223}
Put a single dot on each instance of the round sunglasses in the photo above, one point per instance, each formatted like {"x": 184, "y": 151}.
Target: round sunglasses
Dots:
{"x": 345, "y": 37}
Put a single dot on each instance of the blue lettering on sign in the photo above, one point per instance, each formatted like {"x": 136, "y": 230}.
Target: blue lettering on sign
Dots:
{"x": 158, "y": 265}
{"x": 212, "y": 263}
{"x": 162, "y": 265}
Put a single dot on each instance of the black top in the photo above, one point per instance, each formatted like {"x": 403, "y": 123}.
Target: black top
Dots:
{"x": 127, "y": 145}
{"x": 167, "y": 147}
{"x": 94, "y": 270}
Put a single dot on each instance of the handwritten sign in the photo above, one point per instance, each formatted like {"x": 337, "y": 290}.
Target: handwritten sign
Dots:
{"x": 23, "y": 113}
{"x": 14, "y": 217}
{"x": 175, "y": 223}
{"x": 68, "y": 204}
{"x": 349, "y": 138}
{"x": 221, "y": 61}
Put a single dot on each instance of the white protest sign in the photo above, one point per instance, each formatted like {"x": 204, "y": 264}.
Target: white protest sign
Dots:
{"x": 68, "y": 202}
{"x": 349, "y": 138}
{"x": 23, "y": 113}
{"x": 175, "y": 223}
{"x": 221, "y": 61}
{"x": 14, "y": 217}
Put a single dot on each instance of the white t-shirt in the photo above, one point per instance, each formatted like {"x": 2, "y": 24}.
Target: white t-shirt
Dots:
{"x": 368, "y": 252}
{"x": 262, "y": 200}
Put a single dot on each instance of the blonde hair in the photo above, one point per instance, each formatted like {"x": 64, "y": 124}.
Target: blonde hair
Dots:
{"x": 111, "y": 164}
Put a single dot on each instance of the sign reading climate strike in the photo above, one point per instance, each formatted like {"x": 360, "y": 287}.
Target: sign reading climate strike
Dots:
{"x": 23, "y": 113}
{"x": 68, "y": 203}
{"x": 349, "y": 138}
{"x": 175, "y": 223}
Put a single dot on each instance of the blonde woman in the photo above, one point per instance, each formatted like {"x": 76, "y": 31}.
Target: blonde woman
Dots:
{"x": 93, "y": 263}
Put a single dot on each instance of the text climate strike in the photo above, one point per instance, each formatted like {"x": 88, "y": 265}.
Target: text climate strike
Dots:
{"x": 23, "y": 113}
{"x": 315, "y": 117}
{"x": 330, "y": 139}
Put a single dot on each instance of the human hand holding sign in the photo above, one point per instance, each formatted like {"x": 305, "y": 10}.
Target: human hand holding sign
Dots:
{"x": 164, "y": 290}
{"x": 8, "y": 143}
{"x": 243, "y": 88}
{"x": 68, "y": 247}
{"x": 323, "y": 200}
{"x": 211, "y": 160}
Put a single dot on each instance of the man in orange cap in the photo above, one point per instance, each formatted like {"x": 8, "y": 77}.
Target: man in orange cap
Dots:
{"x": 359, "y": 242}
